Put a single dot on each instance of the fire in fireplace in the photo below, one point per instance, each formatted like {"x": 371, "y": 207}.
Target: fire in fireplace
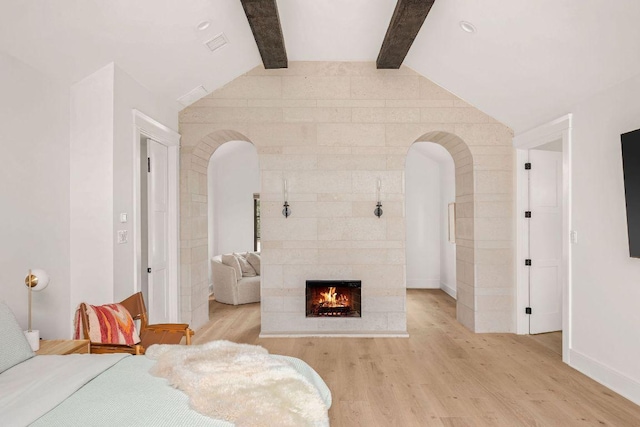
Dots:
{"x": 333, "y": 298}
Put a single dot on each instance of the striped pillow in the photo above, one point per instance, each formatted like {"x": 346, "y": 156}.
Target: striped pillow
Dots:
{"x": 109, "y": 324}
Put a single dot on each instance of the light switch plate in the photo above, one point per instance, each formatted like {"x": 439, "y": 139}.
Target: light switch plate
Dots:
{"x": 123, "y": 236}
{"x": 123, "y": 217}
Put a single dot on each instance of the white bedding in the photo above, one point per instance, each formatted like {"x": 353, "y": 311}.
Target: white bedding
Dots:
{"x": 124, "y": 394}
{"x": 34, "y": 387}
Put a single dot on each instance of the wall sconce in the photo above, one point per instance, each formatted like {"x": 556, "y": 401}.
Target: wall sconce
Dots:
{"x": 286, "y": 211}
{"x": 36, "y": 280}
{"x": 378, "y": 210}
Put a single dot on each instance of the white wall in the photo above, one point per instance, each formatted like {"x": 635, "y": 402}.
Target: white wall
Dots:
{"x": 130, "y": 95}
{"x": 447, "y": 195}
{"x": 92, "y": 188}
{"x": 102, "y": 165}
{"x": 68, "y": 171}
{"x": 430, "y": 187}
{"x": 233, "y": 177}
{"x": 34, "y": 194}
{"x": 422, "y": 204}
{"x": 606, "y": 281}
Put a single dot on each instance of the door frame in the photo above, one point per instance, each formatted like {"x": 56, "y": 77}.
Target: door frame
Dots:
{"x": 523, "y": 142}
{"x": 145, "y": 126}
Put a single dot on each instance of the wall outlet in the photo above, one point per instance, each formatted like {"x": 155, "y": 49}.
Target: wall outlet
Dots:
{"x": 573, "y": 236}
{"x": 123, "y": 236}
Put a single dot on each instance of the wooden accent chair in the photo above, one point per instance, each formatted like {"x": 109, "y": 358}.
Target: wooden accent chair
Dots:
{"x": 162, "y": 333}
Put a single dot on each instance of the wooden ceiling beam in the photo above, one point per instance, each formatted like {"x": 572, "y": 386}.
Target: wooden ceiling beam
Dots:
{"x": 265, "y": 24}
{"x": 406, "y": 21}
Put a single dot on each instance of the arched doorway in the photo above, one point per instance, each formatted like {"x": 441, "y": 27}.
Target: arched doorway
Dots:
{"x": 194, "y": 251}
{"x": 464, "y": 222}
{"x": 233, "y": 187}
{"x": 429, "y": 204}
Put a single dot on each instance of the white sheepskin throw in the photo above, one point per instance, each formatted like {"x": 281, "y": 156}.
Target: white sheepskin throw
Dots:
{"x": 240, "y": 383}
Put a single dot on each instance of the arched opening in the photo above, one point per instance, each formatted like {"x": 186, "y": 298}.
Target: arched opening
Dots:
{"x": 194, "y": 225}
{"x": 233, "y": 190}
{"x": 429, "y": 204}
{"x": 464, "y": 222}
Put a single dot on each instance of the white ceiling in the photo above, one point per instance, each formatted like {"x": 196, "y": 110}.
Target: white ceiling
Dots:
{"x": 528, "y": 63}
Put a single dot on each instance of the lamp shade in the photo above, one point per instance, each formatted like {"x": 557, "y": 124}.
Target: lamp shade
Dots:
{"x": 39, "y": 279}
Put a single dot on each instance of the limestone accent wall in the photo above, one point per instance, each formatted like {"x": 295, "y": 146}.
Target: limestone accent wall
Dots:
{"x": 331, "y": 130}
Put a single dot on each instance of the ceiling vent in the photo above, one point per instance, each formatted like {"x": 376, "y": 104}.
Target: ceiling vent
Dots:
{"x": 217, "y": 42}
{"x": 192, "y": 96}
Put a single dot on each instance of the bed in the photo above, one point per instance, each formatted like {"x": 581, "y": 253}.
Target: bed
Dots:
{"x": 111, "y": 389}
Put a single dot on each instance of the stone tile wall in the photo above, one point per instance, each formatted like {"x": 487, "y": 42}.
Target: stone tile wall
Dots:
{"x": 331, "y": 130}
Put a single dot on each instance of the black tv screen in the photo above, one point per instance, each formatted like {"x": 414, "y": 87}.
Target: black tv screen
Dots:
{"x": 631, "y": 169}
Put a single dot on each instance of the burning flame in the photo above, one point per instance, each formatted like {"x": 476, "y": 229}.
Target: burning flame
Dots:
{"x": 333, "y": 299}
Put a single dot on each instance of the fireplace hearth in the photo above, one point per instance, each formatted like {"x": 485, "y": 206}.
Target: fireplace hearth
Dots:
{"x": 333, "y": 298}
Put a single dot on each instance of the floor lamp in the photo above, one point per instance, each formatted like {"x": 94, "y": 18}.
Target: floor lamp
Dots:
{"x": 36, "y": 280}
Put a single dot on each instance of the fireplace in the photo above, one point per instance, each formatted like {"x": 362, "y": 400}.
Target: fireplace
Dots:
{"x": 333, "y": 298}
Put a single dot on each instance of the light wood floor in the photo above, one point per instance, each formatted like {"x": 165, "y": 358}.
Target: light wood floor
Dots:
{"x": 443, "y": 375}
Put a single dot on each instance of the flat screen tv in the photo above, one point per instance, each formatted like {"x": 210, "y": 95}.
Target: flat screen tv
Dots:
{"x": 631, "y": 169}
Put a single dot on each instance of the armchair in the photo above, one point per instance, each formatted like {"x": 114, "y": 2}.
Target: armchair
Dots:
{"x": 164, "y": 333}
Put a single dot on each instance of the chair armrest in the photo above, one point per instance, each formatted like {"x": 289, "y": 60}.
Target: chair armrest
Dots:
{"x": 223, "y": 272}
{"x": 225, "y": 283}
{"x": 169, "y": 326}
{"x": 165, "y": 333}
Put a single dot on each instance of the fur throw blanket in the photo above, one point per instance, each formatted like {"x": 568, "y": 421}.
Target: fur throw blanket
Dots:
{"x": 240, "y": 383}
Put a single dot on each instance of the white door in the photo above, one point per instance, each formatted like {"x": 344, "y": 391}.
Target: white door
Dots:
{"x": 545, "y": 241}
{"x": 157, "y": 198}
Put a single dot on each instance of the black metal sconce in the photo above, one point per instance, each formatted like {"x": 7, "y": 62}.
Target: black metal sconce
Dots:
{"x": 378, "y": 210}
{"x": 286, "y": 211}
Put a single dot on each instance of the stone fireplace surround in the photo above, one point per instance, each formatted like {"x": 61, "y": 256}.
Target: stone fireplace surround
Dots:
{"x": 331, "y": 130}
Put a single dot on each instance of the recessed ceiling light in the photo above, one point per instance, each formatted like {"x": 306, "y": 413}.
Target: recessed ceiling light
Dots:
{"x": 203, "y": 25}
{"x": 467, "y": 27}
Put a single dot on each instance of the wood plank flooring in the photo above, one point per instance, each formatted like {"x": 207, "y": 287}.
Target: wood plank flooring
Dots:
{"x": 443, "y": 375}
{"x": 551, "y": 340}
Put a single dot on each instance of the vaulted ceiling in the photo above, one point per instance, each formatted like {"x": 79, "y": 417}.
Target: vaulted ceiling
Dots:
{"x": 528, "y": 62}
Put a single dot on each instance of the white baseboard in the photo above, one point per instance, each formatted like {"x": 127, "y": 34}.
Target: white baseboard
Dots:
{"x": 423, "y": 284}
{"x": 606, "y": 376}
{"x": 452, "y": 292}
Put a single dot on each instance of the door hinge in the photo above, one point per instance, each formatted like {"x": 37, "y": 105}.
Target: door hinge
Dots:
{"x": 527, "y": 310}
{"x": 527, "y": 262}
{"x": 148, "y": 164}
{"x": 527, "y": 166}
{"x": 149, "y": 270}
{"x": 527, "y": 214}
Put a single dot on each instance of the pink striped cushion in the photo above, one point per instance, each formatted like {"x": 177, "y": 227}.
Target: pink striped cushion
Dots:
{"x": 109, "y": 324}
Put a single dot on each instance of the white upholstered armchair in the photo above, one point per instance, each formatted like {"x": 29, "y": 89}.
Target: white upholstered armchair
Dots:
{"x": 228, "y": 288}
